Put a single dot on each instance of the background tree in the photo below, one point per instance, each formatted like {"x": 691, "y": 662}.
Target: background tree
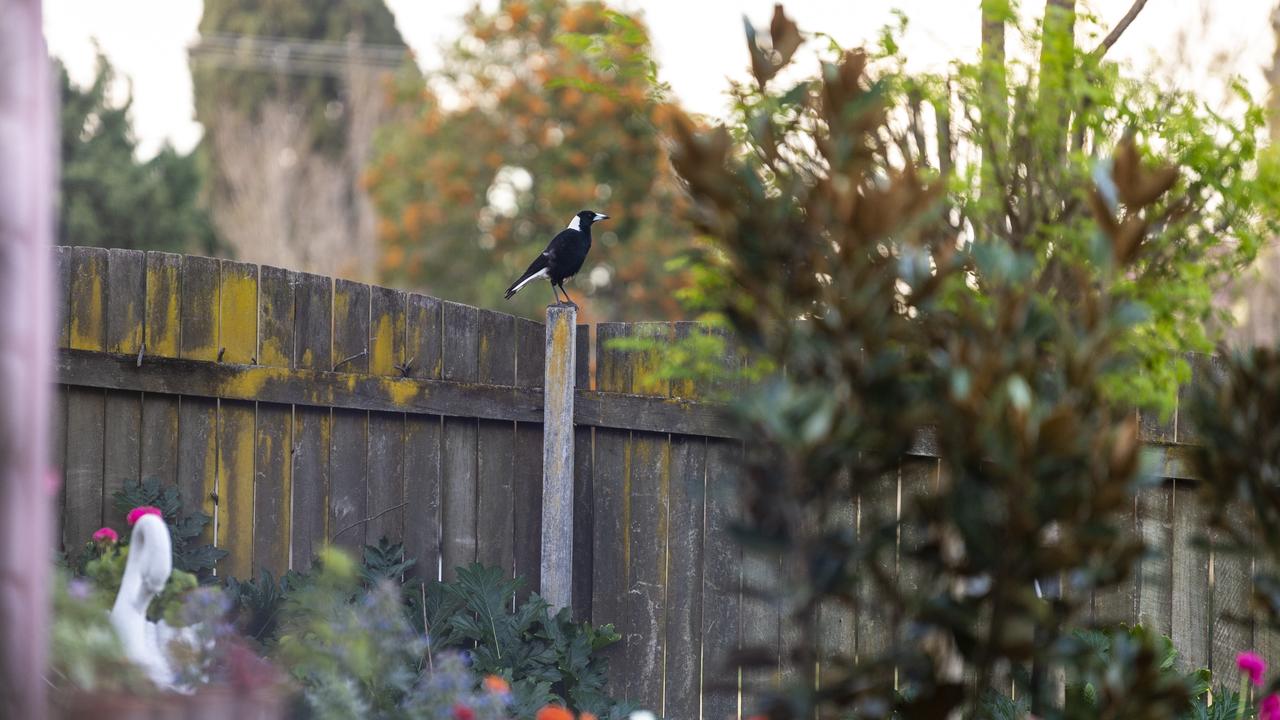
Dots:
{"x": 542, "y": 108}
{"x": 290, "y": 93}
{"x": 1027, "y": 182}
{"x": 1255, "y": 296}
{"x": 109, "y": 198}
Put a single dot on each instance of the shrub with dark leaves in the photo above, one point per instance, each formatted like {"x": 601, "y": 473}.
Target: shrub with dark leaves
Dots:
{"x": 836, "y": 257}
{"x": 1233, "y": 408}
{"x": 185, "y": 527}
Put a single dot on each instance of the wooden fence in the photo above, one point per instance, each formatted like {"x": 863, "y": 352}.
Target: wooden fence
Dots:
{"x": 300, "y": 409}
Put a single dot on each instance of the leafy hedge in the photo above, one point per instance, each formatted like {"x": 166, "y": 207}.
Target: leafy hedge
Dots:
{"x": 546, "y": 657}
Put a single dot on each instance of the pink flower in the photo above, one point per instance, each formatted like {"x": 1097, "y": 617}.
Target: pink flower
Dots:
{"x": 141, "y": 510}
{"x": 462, "y": 712}
{"x": 1270, "y": 708}
{"x": 105, "y": 535}
{"x": 1252, "y": 664}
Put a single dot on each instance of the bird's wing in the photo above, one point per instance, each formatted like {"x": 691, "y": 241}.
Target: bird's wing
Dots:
{"x": 542, "y": 263}
{"x": 558, "y": 242}
{"x": 537, "y": 268}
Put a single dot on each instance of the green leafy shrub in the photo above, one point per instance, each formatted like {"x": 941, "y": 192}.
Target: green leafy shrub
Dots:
{"x": 1106, "y": 662}
{"x": 212, "y": 652}
{"x": 85, "y": 652}
{"x": 185, "y": 528}
{"x": 259, "y": 602}
{"x": 353, "y": 652}
{"x": 356, "y": 655}
{"x": 103, "y": 562}
{"x": 369, "y": 639}
{"x": 88, "y": 665}
{"x": 844, "y": 255}
{"x": 385, "y": 561}
{"x": 545, "y": 658}
{"x": 105, "y": 568}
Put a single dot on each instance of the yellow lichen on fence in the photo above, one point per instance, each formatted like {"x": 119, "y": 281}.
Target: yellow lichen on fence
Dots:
{"x": 87, "y": 301}
{"x": 238, "y": 313}
{"x": 235, "y": 479}
{"x": 387, "y": 333}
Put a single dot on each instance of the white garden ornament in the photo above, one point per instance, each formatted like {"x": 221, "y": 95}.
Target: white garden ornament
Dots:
{"x": 145, "y": 573}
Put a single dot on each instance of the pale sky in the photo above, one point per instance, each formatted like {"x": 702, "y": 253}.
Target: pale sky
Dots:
{"x": 699, "y": 43}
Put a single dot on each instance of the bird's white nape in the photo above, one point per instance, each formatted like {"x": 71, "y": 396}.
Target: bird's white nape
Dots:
{"x": 575, "y": 223}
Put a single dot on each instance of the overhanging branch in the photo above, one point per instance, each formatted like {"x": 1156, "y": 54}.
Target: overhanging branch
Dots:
{"x": 1119, "y": 29}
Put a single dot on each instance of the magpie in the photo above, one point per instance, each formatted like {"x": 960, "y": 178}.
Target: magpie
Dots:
{"x": 563, "y": 257}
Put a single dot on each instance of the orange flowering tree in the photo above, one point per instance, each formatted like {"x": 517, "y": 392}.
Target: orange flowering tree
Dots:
{"x": 540, "y": 109}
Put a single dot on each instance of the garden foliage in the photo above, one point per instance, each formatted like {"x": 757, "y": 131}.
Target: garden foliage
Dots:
{"x": 1233, "y": 410}
{"x": 85, "y": 653}
{"x": 367, "y": 639}
{"x": 849, "y": 248}
{"x": 366, "y": 635}
{"x": 185, "y": 528}
{"x": 110, "y": 198}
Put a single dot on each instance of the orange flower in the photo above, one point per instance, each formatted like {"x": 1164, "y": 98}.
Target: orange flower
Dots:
{"x": 587, "y": 716}
{"x": 554, "y": 712}
{"x": 393, "y": 258}
{"x": 496, "y": 685}
{"x": 387, "y": 229}
{"x": 411, "y": 219}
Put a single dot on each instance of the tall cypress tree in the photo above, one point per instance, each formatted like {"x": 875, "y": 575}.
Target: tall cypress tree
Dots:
{"x": 108, "y": 197}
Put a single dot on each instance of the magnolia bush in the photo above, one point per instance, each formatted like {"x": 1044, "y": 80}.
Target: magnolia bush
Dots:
{"x": 911, "y": 264}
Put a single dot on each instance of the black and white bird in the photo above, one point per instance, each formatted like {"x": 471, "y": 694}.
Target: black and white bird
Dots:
{"x": 563, "y": 257}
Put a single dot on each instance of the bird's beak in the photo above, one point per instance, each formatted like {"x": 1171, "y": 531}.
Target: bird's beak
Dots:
{"x": 599, "y": 217}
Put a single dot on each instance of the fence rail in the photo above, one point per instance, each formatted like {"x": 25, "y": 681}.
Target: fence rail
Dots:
{"x": 299, "y": 409}
{"x": 350, "y": 391}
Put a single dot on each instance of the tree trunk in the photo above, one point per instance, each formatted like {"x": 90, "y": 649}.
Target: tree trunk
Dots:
{"x": 1273, "y": 77}
{"x": 27, "y": 176}
{"x": 1057, "y": 58}
{"x": 995, "y": 91}
{"x": 995, "y": 114}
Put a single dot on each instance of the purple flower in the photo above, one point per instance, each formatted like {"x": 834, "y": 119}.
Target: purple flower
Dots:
{"x": 141, "y": 510}
{"x": 1253, "y": 665}
{"x": 79, "y": 588}
{"x": 1270, "y": 708}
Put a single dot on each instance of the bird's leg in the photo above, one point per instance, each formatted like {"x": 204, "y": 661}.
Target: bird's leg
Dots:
{"x": 567, "y": 299}
{"x": 555, "y": 292}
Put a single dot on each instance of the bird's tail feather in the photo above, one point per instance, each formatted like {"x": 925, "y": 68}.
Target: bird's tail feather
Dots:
{"x": 538, "y": 268}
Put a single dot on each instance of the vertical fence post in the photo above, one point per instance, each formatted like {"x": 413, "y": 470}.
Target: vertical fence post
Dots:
{"x": 28, "y": 180}
{"x": 557, "y": 456}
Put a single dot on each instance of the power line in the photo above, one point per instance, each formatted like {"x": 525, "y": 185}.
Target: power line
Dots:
{"x": 295, "y": 55}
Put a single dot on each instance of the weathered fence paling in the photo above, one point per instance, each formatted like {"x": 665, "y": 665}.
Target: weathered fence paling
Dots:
{"x": 556, "y": 579}
{"x": 299, "y": 410}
